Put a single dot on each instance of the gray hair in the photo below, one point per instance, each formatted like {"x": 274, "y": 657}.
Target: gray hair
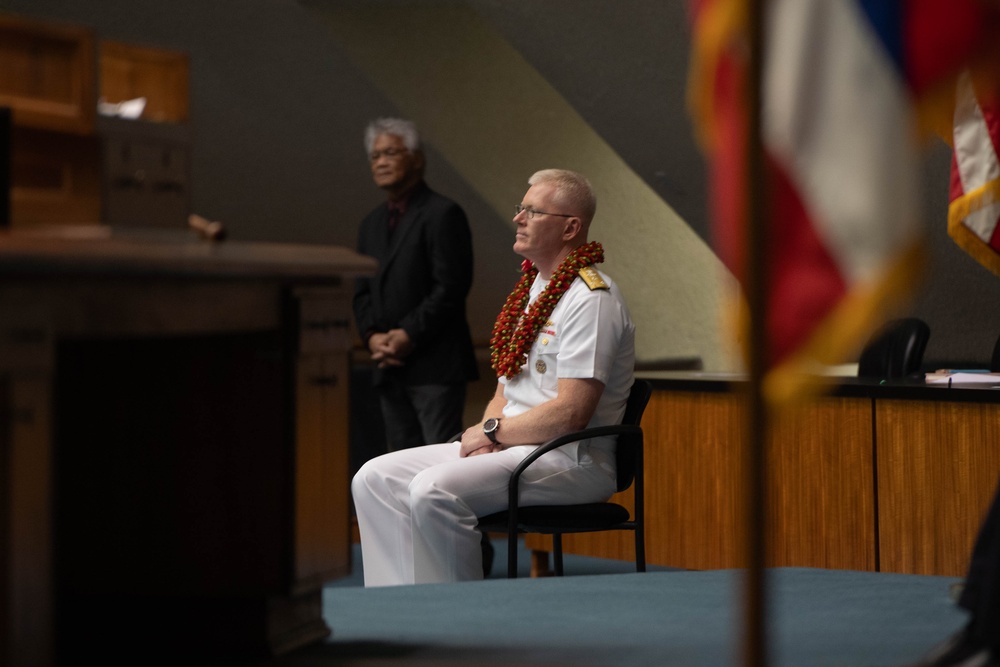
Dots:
{"x": 404, "y": 129}
{"x": 571, "y": 187}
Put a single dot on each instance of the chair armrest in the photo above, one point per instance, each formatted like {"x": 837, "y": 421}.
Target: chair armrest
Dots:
{"x": 559, "y": 441}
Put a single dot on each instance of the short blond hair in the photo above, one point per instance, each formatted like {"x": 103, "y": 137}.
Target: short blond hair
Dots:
{"x": 571, "y": 187}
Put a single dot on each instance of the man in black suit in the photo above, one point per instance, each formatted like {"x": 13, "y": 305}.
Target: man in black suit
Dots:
{"x": 411, "y": 314}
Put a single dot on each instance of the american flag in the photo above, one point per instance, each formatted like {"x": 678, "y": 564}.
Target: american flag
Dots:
{"x": 974, "y": 211}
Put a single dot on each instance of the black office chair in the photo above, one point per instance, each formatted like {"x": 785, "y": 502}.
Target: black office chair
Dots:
{"x": 995, "y": 361}
{"x": 896, "y": 350}
{"x": 555, "y": 520}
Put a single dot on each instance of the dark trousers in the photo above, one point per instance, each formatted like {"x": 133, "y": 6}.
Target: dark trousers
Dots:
{"x": 981, "y": 595}
{"x": 421, "y": 414}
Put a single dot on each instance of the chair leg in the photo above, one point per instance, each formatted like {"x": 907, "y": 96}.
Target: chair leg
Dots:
{"x": 557, "y": 559}
{"x": 640, "y": 550}
{"x": 512, "y": 555}
{"x": 540, "y": 564}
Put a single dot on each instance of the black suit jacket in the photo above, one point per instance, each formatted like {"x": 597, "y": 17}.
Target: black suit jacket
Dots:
{"x": 423, "y": 279}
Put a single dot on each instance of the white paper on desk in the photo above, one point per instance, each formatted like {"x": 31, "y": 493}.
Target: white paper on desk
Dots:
{"x": 130, "y": 109}
{"x": 962, "y": 378}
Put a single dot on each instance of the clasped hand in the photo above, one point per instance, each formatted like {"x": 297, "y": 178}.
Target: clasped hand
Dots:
{"x": 390, "y": 348}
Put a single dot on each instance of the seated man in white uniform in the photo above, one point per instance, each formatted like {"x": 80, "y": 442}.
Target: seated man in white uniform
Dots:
{"x": 563, "y": 348}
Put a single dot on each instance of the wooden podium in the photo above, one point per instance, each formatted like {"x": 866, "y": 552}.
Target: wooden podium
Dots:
{"x": 173, "y": 443}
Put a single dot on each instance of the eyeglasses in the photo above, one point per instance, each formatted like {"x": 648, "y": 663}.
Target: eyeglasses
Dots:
{"x": 532, "y": 212}
{"x": 388, "y": 152}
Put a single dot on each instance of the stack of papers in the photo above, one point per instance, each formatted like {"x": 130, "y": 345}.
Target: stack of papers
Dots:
{"x": 962, "y": 377}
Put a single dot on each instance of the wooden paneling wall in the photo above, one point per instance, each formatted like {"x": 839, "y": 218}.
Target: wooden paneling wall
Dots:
{"x": 861, "y": 483}
{"x": 820, "y": 486}
{"x": 938, "y": 467}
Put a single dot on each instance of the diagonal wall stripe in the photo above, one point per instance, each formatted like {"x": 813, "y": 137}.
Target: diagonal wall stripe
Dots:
{"x": 487, "y": 111}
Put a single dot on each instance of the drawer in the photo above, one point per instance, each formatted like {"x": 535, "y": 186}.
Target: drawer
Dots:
{"x": 324, "y": 323}
{"x": 146, "y": 182}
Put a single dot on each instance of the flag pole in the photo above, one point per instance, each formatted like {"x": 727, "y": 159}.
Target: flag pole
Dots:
{"x": 755, "y": 598}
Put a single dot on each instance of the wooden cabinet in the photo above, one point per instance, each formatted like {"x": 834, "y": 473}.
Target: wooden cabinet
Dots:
{"x": 67, "y": 166}
{"x": 146, "y": 178}
{"x": 130, "y": 71}
{"x": 48, "y": 78}
{"x": 146, "y": 162}
{"x": 48, "y": 75}
{"x": 54, "y": 177}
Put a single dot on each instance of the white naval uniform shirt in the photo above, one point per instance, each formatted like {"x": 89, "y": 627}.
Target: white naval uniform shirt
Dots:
{"x": 589, "y": 335}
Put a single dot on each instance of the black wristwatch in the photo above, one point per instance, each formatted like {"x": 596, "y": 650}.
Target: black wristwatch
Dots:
{"x": 490, "y": 428}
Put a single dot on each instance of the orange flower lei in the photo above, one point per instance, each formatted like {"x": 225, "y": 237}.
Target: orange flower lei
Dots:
{"x": 515, "y": 330}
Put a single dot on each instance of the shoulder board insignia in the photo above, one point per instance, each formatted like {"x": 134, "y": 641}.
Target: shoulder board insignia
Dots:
{"x": 593, "y": 278}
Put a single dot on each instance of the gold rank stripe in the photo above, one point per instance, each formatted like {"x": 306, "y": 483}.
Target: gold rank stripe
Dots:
{"x": 593, "y": 278}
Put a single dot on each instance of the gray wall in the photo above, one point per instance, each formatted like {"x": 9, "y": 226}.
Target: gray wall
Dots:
{"x": 278, "y": 107}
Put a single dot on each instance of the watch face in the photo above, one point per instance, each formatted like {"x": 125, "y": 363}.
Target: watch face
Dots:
{"x": 491, "y": 424}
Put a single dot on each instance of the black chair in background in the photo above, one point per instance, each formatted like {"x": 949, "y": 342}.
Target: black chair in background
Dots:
{"x": 896, "y": 350}
{"x": 995, "y": 360}
{"x": 555, "y": 520}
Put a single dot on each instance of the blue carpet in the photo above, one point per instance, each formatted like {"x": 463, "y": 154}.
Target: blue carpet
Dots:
{"x": 610, "y": 616}
{"x": 572, "y": 565}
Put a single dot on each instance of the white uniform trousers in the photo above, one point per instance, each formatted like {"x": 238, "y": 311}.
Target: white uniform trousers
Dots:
{"x": 417, "y": 508}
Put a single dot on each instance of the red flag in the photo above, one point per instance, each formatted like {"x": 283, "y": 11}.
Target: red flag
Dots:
{"x": 844, "y": 82}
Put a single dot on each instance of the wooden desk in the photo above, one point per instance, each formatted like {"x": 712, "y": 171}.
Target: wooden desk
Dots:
{"x": 173, "y": 444}
{"x": 872, "y": 477}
